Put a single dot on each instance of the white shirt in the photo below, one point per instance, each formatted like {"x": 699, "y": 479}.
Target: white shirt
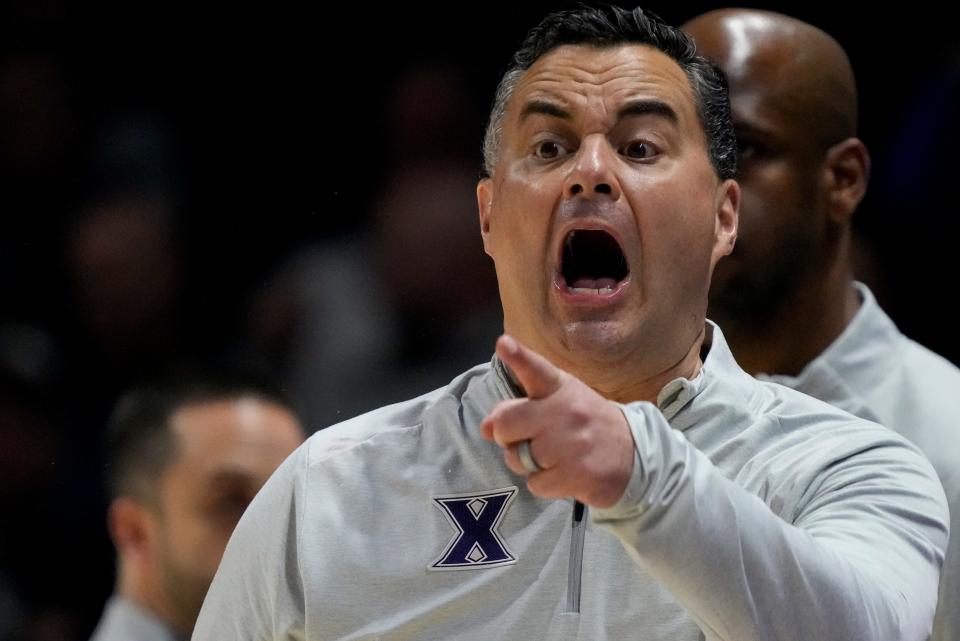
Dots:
{"x": 875, "y": 372}
{"x": 753, "y": 512}
{"x": 124, "y": 620}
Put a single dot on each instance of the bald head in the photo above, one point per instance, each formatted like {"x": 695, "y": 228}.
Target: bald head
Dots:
{"x": 793, "y": 67}
{"x": 801, "y": 170}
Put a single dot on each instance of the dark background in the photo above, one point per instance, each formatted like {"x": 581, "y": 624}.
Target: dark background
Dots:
{"x": 245, "y": 138}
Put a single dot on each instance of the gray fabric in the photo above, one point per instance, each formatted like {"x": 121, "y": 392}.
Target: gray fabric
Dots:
{"x": 124, "y": 620}
{"x": 754, "y": 512}
{"x": 874, "y": 371}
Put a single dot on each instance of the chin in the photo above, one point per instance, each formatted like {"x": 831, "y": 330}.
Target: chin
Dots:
{"x": 596, "y": 341}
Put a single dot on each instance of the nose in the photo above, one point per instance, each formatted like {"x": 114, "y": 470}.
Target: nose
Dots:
{"x": 593, "y": 173}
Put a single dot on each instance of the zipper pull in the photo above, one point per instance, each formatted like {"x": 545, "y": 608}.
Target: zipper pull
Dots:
{"x": 577, "y": 511}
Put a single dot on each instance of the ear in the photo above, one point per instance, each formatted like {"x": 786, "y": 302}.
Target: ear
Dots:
{"x": 848, "y": 172}
{"x": 485, "y": 205}
{"x": 132, "y": 528}
{"x": 727, "y": 208}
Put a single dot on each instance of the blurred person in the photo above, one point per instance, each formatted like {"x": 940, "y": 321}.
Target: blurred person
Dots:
{"x": 125, "y": 300}
{"x": 185, "y": 457}
{"x": 786, "y": 297}
{"x": 126, "y": 276}
{"x": 612, "y": 473}
{"x": 356, "y": 322}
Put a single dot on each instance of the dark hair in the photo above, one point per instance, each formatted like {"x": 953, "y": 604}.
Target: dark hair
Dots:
{"x": 607, "y": 26}
{"x": 139, "y": 443}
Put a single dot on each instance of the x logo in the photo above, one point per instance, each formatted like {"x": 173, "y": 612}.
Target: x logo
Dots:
{"x": 477, "y": 542}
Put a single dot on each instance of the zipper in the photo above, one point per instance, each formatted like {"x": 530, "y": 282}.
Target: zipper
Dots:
{"x": 577, "y": 534}
{"x": 578, "y": 531}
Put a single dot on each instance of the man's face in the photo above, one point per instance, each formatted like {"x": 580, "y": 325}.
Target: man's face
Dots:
{"x": 780, "y": 172}
{"x": 604, "y": 216}
{"x": 226, "y": 450}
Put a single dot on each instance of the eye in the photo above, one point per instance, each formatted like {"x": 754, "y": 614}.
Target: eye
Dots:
{"x": 549, "y": 150}
{"x": 229, "y": 506}
{"x": 639, "y": 150}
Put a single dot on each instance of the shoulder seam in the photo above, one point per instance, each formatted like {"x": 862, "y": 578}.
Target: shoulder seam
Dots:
{"x": 354, "y": 444}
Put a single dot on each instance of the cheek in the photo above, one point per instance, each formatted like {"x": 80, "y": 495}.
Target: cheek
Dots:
{"x": 754, "y": 214}
{"x": 200, "y": 533}
{"x": 774, "y": 186}
{"x": 677, "y": 237}
{"x": 675, "y": 215}
{"x": 534, "y": 187}
{"x": 207, "y": 541}
{"x": 519, "y": 223}
{"x": 774, "y": 204}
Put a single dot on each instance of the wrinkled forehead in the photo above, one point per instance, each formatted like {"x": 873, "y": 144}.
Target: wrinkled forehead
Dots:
{"x": 582, "y": 77}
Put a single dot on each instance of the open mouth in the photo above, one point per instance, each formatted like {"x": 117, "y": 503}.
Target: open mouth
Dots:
{"x": 592, "y": 262}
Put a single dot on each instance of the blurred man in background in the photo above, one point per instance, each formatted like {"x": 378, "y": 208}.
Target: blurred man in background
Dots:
{"x": 786, "y": 297}
{"x": 185, "y": 458}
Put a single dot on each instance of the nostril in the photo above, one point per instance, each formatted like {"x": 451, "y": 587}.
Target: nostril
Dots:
{"x": 576, "y": 189}
{"x": 603, "y": 188}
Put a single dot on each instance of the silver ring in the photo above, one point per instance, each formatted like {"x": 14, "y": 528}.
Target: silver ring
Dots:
{"x": 526, "y": 458}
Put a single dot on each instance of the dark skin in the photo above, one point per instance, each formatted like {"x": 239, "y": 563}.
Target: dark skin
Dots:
{"x": 785, "y": 293}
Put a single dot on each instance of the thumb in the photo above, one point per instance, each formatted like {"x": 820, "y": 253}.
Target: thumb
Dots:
{"x": 538, "y": 376}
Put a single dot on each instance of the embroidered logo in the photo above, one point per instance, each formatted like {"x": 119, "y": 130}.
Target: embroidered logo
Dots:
{"x": 476, "y": 518}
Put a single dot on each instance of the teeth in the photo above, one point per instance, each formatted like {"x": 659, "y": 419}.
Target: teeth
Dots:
{"x": 569, "y": 240}
{"x": 591, "y": 290}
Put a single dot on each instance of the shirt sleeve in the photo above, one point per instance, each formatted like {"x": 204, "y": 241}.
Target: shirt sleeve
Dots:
{"x": 947, "y": 624}
{"x": 257, "y": 593}
{"x": 859, "y": 561}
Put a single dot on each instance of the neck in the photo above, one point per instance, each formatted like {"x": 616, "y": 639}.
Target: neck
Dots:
{"x": 812, "y": 317}
{"x": 137, "y": 585}
{"x": 649, "y": 388}
{"x": 629, "y": 383}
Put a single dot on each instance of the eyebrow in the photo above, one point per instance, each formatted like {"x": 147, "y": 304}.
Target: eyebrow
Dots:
{"x": 648, "y": 107}
{"x": 545, "y": 108}
{"x": 632, "y": 108}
